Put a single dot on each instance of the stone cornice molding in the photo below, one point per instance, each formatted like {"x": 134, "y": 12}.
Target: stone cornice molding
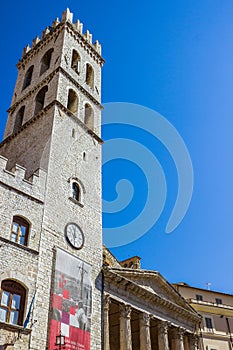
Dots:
{"x": 19, "y": 246}
{"x": 47, "y": 81}
{"x": 53, "y": 34}
{"x": 78, "y": 121}
{"x": 14, "y": 328}
{"x": 160, "y": 280}
{"x": 151, "y": 298}
{"x": 24, "y": 126}
{"x": 80, "y": 87}
{"x": 33, "y": 90}
{"x": 42, "y": 113}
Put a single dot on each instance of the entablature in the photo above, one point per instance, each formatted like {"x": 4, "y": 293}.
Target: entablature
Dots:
{"x": 122, "y": 288}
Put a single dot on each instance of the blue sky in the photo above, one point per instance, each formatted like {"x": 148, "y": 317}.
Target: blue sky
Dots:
{"x": 175, "y": 57}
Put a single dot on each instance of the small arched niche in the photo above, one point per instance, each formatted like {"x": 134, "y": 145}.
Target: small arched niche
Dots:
{"x": 19, "y": 119}
{"x": 90, "y": 75}
{"x": 40, "y": 99}
{"x": 72, "y": 102}
{"x": 89, "y": 116}
{"x": 76, "y": 60}
{"x": 45, "y": 61}
{"x": 28, "y": 77}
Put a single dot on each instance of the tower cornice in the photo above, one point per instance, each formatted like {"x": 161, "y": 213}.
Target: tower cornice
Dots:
{"x": 43, "y": 112}
{"x": 46, "y": 81}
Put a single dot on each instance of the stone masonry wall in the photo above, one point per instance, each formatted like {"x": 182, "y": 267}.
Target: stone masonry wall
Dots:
{"x": 66, "y": 161}
{"x": 30, "y": 147}
{"x": 63, "y": 147}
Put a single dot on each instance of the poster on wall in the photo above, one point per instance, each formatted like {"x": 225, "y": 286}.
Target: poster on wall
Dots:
{"x": 71, "y": 302}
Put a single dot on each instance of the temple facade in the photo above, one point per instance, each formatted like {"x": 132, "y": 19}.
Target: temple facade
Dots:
{"x": 142, "y": 311}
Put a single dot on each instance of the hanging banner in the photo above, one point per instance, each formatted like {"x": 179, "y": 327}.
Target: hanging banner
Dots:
{"x": 71, "y": 302}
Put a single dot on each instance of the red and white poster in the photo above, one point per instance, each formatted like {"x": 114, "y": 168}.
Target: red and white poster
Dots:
{"x": 71, "y": 302}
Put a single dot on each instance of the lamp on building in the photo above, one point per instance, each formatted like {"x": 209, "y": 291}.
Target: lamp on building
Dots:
{"x": 60, "y": 341}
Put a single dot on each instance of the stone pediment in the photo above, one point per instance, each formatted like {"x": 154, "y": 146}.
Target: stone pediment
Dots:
{"x": 154, "y": 282}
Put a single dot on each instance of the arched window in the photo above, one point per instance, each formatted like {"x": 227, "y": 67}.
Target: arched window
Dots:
{"x": 19, "y": 230}
{"x": 28, "y": 77}
{"x": 72, "y": 103}
{"x": 45, "y": 62}
{"x": 131, "y": 265}
{"x": 75, "y": 63}
{"x": 75, "y": 191}
{"x": 89, "y": 116}
{"x": 19, "y": 119}
{"x": 40, "y": 98}
{"x": 12, "y": 296}
{"x": 90, "y": 75}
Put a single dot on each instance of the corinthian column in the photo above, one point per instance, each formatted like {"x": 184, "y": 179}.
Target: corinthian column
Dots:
{"x": 194, "y": 339}
{"x": 177, "y": 342}
{"x": 186, "y": 342}
{"x": 163, "y": 336}
{"x": 106, "y": 321}
{"x": 125, "y": 328}
{"x": 144, "y": 324}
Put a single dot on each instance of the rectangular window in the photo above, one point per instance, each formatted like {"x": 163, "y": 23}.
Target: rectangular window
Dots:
{"x": 218, "y": 301}
{"x": 15, "y": 301}
{"x": 199, "y": 297}
{"x": 14, "y": 317}
{"x": 5, "y": 298}
{"x": 3, "y": 314}
{"x": 208, "y": 323}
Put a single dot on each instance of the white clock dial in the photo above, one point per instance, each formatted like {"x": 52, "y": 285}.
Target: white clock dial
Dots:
{"x": 74, "y": 235}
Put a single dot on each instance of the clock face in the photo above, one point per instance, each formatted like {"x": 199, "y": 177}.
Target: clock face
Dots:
{"x": 74, "y": 235}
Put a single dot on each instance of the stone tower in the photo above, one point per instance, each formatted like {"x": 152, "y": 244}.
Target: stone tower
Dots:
{"x": 50, "y": 177}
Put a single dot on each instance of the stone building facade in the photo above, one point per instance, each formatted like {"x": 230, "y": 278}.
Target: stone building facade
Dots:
{"x": 50, "y": 178}
{"x": 216, "y": 309}
{"x": 142, "y": 311}
{"x": 52, "y": 279}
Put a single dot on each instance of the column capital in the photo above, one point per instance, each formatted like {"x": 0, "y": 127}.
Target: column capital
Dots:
{"x": 125, "y": 327}
{"x": 145, "y": 318}
{"x": 107, "y": 301}
{"x": 193, "y": 338}
{"x": 163, "y": 342}
{"x": 125, "y": 310}
{"x": 177, "y": 333}
{"x": 163, "y": 326}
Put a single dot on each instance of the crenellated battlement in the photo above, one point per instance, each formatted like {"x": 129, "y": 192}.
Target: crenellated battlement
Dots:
{"x": 67, "y": 16}
{"x": 15, "y": 178}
